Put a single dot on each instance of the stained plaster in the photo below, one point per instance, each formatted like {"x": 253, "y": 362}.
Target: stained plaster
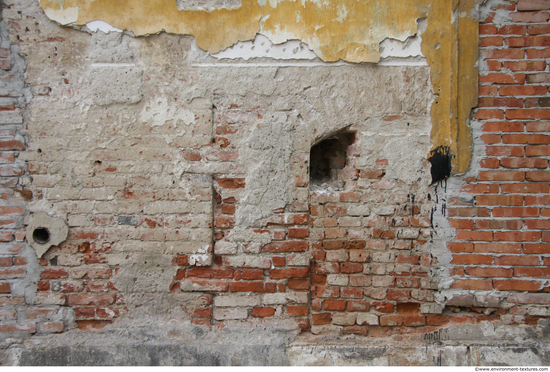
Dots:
{"x": 347, "y": 30}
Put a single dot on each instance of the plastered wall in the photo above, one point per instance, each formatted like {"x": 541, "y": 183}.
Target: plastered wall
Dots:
{"x": 170, "y": 201}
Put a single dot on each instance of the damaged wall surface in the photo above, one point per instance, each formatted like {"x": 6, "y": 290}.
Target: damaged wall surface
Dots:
{"x": 274, "y": 182}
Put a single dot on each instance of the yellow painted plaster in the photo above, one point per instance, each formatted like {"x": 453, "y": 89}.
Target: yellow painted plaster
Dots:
{"x": 349, "y": 30}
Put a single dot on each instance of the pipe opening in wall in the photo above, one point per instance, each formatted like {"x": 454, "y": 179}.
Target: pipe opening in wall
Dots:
{"x": 41, "y": 235}
{"x": 327, "y": 159}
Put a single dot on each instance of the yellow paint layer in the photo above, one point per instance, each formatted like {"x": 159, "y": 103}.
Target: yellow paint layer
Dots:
{"x": 349, "y": 30}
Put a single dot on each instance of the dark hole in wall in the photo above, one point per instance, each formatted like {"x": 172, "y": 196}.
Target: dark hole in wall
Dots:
{"x": 441, "y": 163}
{"x": 327, "y": 158}
{"x": 41, "y": 235}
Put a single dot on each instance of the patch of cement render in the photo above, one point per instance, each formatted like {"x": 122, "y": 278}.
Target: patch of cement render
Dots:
{"x": 268, "y": 182}
{"x": 110, "y": 47}
{"x": 484, "y": 8}
{"x": 443, "y": 191}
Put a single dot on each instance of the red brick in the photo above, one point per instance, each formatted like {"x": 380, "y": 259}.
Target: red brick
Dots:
{"x": 488, "y": 91}
{"x": 13, "y": 273}
{"x": 526, "y": 188}
{"x": 473, "y": 284}
{"x": 398, "y": 294}
{"x": 500, "y": 102}
{"x": 517, "y": 285}
{"x": 208, "y": 272}
{"x": 250, "y": 274}
{"x": 512, "y": 30}
{"x": 436, "y": 320}
{"x": 497, "y": 248}
{"x": 5, "y": 288}
{"x": 383, "y": 307}
{"x": 334, "y": 305}
{"x": 298, "y": 284}
{"x": 504, "y": 151}
{"x": 318, "y": 279}
{"x": 358, "y": 306}
{"x": 537, "y": 151}
{"x": 516, "y": 212}
{"x": 489, "y": 272}
{"x": 298, "y": 233}
{"x": 351, "y": 267}
{"x": 351, "y": 292}
{"x": 490, "y": 139}
{"x": 539, "y": 78}
{"x": 503, "y": 126}
{"x": 231, "y": 183}
{"x": 287, "y": 246}
{"x": 501, "y": 78}
{"x": 529, "y": 5}
{"x": 91, "y": 300}
{"x": 539, "y": 29}
{"x": 524, "y": 163}
{"x": 224, "y": 221}
{"x": 474, "y": 235}
{"x": 530, "y": 17}
{"x": 472, "y": 259}
{"x": 499, "y": 224}
{"x": 333, "y": 244}
{"x": 522, "y": 90}
{"x": 517, "y": 236}
{"x": 319, "y": 319}
{"x": 263, "y": 312}
{"x": 391, "y": 320}
{"x": 517, "y": 261}
{"x": 253, "y": 287}
{"x": 18, "y": 328}
{"x": 515, "y": 114}
{"x": 297, "y": 310}
{"x": 289, "y": 273}
{"x": 505, "y": 54}
{"x": 485, "y": 114}
{"x": 411, "y": 320}
{"x": 357, "y": 330}
{"x": 501, "y": 176}
{"x": 456, "y": 247}
{"x": 536, "y": 248}
{"x": 538, "y": 53}
{"x": 278, "y": 261}
{"x": 538, "y": 224}
{"x": 538, "y": 176}
{"x": 490, "y": 41}
{"x": 527, "y": 272}
{"x": 498, "y": 200}
{"x": 11, "y": 145}
{"x": 525, "y": 66}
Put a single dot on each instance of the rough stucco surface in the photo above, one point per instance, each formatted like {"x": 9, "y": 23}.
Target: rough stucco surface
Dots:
{"x": 346, "y": 30}
{"x": 195, "y": 235}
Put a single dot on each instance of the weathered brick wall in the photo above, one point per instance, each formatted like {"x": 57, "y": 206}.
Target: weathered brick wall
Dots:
{"x": 186, "y": 187}
{"x": 500, "y": 214}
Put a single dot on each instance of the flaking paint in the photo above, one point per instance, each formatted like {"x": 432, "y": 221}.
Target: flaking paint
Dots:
{"x": 348, "y": 30}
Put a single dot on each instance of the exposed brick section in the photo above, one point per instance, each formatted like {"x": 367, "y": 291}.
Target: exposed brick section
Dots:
{"x": 501, "y": 233}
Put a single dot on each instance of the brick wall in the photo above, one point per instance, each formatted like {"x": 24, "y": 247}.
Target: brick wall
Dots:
{"x": 502, "y": 242}
{"x": 148, "y": 202}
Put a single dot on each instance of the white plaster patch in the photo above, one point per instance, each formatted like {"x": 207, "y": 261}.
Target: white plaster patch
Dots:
{"x": 158, "y": 112}
{"x": 411, "y": 47}
{"x": 63, "y": 16}
{"x": 95, "y": 26}
{"x": 207, "y": 5}
{"x": 261, "y": 46}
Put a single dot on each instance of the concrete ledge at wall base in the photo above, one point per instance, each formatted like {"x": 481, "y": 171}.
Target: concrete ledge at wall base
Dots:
{"x": 483, "y": 344}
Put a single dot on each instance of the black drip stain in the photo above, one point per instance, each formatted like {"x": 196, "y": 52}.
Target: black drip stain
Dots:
{"x": 441, "y": 163}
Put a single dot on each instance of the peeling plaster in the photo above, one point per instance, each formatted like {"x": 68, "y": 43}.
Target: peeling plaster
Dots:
{"x": 347, "y": 30}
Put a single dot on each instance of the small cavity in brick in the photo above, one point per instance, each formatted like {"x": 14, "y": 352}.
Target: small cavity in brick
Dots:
{"x": 327, "y": 158}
